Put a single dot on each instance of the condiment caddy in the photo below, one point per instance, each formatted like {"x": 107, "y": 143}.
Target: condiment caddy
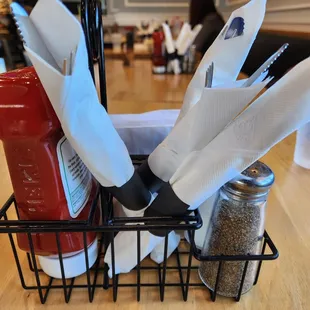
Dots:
{"x": 112, "y": 225}
{"x": 186, "y": 268}
{"x": 174, "y": 57}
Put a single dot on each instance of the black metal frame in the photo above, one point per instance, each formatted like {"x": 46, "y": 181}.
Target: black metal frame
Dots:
{"x": 91, "y": 19}
{"x": 92, "y": 24}
{"x": 107, "y": 231}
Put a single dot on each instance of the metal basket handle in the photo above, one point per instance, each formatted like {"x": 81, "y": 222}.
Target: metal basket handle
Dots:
{"x": 91, "y": 19}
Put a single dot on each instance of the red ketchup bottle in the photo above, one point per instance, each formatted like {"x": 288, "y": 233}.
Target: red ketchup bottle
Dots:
{"x": 159, "y": 59}
{"x": 50, "y": 181}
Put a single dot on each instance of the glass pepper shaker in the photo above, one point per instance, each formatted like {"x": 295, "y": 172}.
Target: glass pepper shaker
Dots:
{"x": 236, "y": 228}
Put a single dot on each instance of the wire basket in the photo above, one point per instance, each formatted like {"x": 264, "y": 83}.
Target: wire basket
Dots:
{"x": 184, "y": 261}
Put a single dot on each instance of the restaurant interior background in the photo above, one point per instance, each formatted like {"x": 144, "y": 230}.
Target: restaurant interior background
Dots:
{"x": 285, "y": 21}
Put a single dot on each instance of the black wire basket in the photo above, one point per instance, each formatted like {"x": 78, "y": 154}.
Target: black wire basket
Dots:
{"x": 184, "y": 261}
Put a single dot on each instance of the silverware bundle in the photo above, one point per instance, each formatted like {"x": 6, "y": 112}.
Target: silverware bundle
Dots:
{"x": 262, "y": 69}
{"x": 28, "y": 32}
{"x": 265, "y": 66}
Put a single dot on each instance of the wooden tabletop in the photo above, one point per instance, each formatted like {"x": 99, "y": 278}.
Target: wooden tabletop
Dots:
{"x": 284, "y": 284}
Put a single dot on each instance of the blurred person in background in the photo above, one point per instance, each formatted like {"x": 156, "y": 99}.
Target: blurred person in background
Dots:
{"x": 204, "y": 12}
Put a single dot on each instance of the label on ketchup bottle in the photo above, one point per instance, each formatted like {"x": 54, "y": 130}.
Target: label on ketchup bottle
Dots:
{"x": 76, "y": 178}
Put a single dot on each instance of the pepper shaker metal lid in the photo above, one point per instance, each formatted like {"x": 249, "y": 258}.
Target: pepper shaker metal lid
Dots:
{"x": 254, "y": 182}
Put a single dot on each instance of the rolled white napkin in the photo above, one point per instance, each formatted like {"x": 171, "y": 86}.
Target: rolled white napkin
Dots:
{"x": 169, "y": 42}
{"x": 216, "y": 108}
{"x": 85, "y": 122}
{"x": 227, "y": 55}
{"x": 125, "y": 248}
{"x": 188, "y": 40}
{"x": 281, "y": 110}
{"x": 184, "y": 33}
{"x": 302, "y": 148}
{"x": 158, "y": 254}
{"x": 74, "y": 98}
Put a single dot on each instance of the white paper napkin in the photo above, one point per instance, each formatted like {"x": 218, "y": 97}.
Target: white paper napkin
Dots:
{"x": 216, "y": 108}
{"x": 74, "y": 98}
{"x": 158, "y": 254}
{"x": 142, "y": 133}
{"x": 188, "y": 40}
{"x": 170, "y": 45}
{"x": 228, "y": 55}
{"x": 281, "y": 110}
{"x": 302, "y": 148}
{"x": 125, "y": 246}
{"x": 185, "y": 31}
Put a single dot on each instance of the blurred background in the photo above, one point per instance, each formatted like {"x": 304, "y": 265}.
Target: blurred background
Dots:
{"x": 129, "y": 26}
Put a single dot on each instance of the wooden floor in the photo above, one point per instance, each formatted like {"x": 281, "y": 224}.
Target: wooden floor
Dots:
{"x": 284, "y": 283}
